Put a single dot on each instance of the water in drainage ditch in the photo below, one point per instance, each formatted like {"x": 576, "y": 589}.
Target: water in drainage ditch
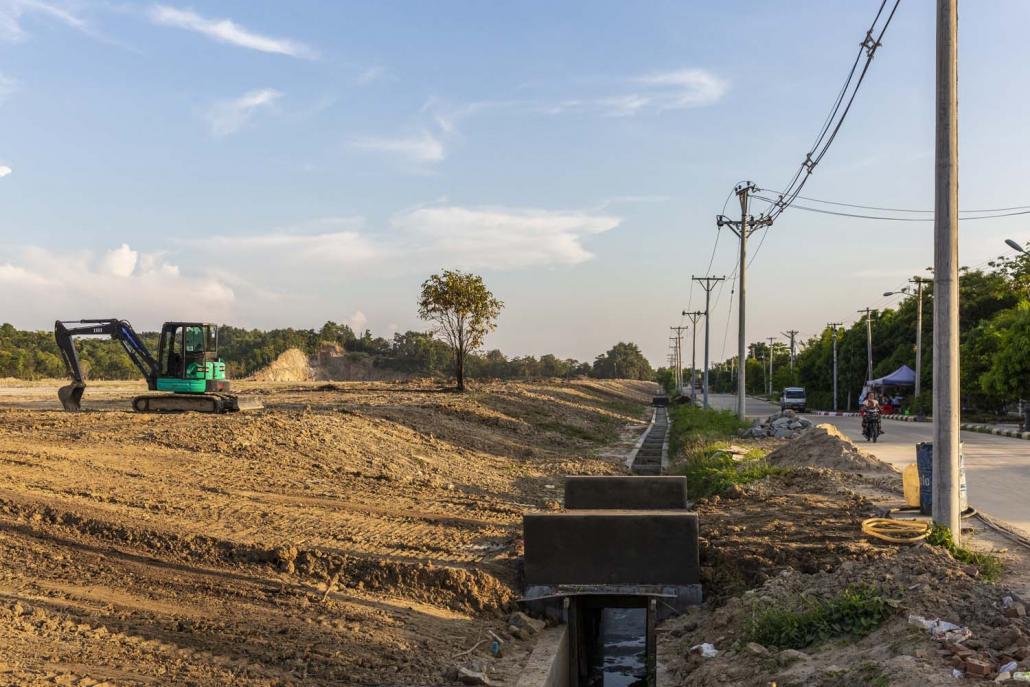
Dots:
{"x": 620, "y": 659}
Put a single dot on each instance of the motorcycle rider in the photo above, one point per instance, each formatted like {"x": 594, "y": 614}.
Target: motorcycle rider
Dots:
{"x": 870, "y": 403}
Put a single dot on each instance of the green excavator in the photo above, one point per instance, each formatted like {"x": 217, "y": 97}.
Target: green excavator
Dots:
{"x": 187, "y": 367}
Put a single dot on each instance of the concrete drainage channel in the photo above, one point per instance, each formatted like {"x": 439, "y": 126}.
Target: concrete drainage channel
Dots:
{"x": 622, "y": 556}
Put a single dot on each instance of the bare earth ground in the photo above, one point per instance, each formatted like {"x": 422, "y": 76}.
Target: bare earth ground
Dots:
{"x": 348, "y": 533}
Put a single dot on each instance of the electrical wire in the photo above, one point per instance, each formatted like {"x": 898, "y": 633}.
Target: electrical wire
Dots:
{"x": 894, "y": 219}
{"x": 886, "y": 209}
{"x": 838, "y": 113}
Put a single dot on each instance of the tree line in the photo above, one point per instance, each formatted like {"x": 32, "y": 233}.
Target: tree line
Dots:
{"x": 34, "y": 355}
{"x": 994, "y": 320}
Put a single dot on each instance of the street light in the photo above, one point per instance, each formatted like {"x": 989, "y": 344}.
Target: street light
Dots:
{"x": 904, "y": 290}
{"x": 1014, "y": 246}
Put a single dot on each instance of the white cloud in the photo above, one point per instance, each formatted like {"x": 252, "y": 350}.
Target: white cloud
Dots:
{"x": 46, "y": 285}
{"x": 12, "y": 12}
{"x": 7, "y": 85}
{"x": 229, "y": 116}
{"x": 120, "y": 262}
{"x": 504, "y": 238}
{"x": 423, "y": 147}
{"x": 371, "y": 75}
{"x": 5, "y": 170}
{"x": 227, "y": 31}
{"x": 358, "y": 322}
{"x": 339, "y": 247}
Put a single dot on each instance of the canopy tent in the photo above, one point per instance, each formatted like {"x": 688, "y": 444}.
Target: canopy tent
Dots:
{"x": 903, "y": 376}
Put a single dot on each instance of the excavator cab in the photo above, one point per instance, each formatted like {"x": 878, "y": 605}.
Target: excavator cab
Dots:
{"x": 188, "y": 360}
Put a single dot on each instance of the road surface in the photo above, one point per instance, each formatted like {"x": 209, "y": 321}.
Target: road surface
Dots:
{"x": 997, "y": 468}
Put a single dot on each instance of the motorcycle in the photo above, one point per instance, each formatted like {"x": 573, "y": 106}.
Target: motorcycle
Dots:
{"x": 871, "y": 428}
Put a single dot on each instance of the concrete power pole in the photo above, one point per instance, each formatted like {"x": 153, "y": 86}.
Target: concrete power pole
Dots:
{"x": 674, "y": 358}
{"x": 919, "y": 281}
{"x": 791, "y": 334}
{"x": 679, "y": 358}
{"x": 770, "y": 339}
{"x": 743, "y": 229}
{"x": 945, "y": 274}
{"x": 694, "y": 317}
{"x": 869, "y": 341}
{"x": 833, "y": 328}
{"x": 707, "y": 283}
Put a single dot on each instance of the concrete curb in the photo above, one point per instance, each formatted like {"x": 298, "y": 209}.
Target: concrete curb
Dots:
{"x": 965, "y": 426}
{"x": 987, "y": 429}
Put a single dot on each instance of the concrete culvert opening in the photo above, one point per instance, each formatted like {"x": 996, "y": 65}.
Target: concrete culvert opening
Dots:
{"x": 614, "y": 642}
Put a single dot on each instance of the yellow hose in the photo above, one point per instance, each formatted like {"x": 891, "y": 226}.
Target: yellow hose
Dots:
{"x": 896, "y": 531}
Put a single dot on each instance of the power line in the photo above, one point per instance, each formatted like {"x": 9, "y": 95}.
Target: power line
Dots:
{"x": 892, "y": 219}
{"x": 832, "y": 125}
{"x": 886, "y": 209}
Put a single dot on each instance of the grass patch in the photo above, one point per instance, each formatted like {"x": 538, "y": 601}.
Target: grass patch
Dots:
{"x": 688, "y": 424}
{"x": 699, "y": 437}
{"x": 710, "y": 471}
{"x": 989, "y": 565}
{"x": 855, "y": 612}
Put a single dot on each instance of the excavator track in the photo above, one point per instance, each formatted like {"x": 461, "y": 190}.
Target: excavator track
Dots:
{"x": 198, "y": 403}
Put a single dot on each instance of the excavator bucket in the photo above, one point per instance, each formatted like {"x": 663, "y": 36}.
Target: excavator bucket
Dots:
{"x": 71, "y": 396}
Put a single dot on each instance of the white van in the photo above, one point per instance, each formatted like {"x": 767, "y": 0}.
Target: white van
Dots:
{"x": 793, "y": 397}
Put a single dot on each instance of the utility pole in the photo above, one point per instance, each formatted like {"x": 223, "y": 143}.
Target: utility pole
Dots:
{"x": 919, "y": 281}
{"x": 833, "y": 329}
{"x": 679, "y": 358}
{"x": 945, "y": 274}
{"x": 674, "y": 357}
{"x": 694, "y": 317}
{"x": 869, "y": 341}
{"x": 790, "y": 334}
{"x": 743, "y": 229}
{"x": 770, "y": 340}
{"x": 707, "y": 283}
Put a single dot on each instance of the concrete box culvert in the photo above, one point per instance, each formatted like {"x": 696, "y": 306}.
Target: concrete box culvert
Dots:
{"x": 612, "y": 547}
{"x": 625, "y": 493}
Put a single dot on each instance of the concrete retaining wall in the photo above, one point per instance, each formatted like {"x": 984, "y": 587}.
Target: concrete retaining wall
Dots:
{"x": 627, "y": 493}
{"x": 548, "y": 665}
{"x": 611, "y": 547}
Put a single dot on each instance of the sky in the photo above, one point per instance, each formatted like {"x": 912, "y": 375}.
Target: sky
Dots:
{"x": 273, "y": 164}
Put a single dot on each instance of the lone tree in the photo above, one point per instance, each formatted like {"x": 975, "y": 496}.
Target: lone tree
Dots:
{"x": 464, "y": 312}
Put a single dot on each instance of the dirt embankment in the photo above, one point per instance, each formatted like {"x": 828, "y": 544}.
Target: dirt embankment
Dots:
{"x": 345, "y": 534}
{"x": 792, "y": 541}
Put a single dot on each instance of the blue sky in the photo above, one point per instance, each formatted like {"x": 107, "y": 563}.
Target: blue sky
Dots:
{"x": 281, "y": 164}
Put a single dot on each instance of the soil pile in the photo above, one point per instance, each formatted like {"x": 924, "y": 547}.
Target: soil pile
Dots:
{"x": 292, "y": 365}
{"x": 824, "y": 446}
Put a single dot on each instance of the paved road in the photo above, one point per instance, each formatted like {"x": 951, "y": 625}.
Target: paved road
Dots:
{"x": 997, "y": 468}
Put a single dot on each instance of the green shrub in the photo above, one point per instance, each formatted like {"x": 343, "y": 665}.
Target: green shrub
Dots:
{"x": 855, "y": 612}
{"x": 989, "y": 565}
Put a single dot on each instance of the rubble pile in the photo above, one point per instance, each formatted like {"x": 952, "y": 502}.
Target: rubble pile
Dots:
{"x": 785, "y": 425}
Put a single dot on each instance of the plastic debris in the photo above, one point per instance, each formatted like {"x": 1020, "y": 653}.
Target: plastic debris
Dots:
{"x": 942, "y": 630}
{"x": 707, "y": 650}
{"x": 1009, "y": 667}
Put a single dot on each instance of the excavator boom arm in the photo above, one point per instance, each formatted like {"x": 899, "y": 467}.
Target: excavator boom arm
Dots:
{"x": 119, "y": 330}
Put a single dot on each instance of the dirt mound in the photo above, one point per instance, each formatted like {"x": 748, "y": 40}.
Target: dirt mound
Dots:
{"x": 919, "y": 580}
{"x": 292, "y": 365}
{"x": 824, "y": 446}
